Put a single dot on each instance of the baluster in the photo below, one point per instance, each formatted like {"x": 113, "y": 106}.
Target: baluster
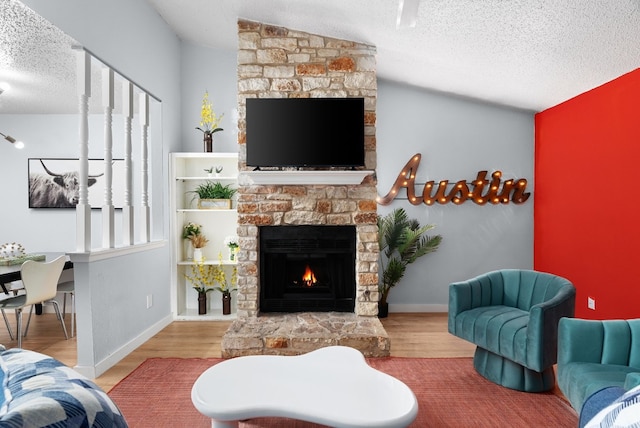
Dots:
{"x": 108, "y": 230}
{"x": 83, "y": 209}
{"x": 145, "y": 235}
{"x": 127, "y": 209}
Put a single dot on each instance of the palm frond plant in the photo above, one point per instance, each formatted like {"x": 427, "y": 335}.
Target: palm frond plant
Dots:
{"x": 402, "y": 241}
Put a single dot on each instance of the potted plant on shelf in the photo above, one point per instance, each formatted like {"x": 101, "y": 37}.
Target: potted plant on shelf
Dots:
{"x": 202, "y": 280}
{"x": 209, "y": 122}
{"x": 193, "y": 232}
{"x": 214, "y": 195}
{"x": 224, "y": 286}
{"x": 198, "y": 242}
{"x": 402, "y": 241}
{"x": 232, "y": 243}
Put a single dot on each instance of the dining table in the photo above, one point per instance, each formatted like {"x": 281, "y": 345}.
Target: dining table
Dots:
{"x": 11, "y": 273}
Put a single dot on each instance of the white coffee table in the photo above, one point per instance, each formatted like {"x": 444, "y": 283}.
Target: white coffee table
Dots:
{"x": 332, "y": 386}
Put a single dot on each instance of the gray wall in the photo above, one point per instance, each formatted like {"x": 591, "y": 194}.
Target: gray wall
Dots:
{"x": 212, "y": 70}
{"x": 457, "y": 138}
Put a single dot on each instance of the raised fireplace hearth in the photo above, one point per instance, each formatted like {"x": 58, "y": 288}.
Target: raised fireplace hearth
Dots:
{"x": 307, "y": 268}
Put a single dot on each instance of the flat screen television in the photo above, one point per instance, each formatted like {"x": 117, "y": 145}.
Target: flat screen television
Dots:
{"x": 305, "y": 132}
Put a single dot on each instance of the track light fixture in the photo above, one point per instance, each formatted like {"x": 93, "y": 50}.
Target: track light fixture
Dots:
{"x": 16, "y": 144}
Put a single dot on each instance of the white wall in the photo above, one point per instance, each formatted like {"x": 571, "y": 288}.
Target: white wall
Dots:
{"x": 457, "y": 138}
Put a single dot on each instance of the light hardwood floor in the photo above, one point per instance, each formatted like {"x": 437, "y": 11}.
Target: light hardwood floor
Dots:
{"x": 412, "y": 335}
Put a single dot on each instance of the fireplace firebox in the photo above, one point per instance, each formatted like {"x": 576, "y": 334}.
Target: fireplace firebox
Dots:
{"x": 307, "y": 268}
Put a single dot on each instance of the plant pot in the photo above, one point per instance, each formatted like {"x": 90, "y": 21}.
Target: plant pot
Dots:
{"x": 202, "y": 303}
{"x": 214, "y": 204}
{"x": 383, "y": 310}
{"x": 226, "y": 303}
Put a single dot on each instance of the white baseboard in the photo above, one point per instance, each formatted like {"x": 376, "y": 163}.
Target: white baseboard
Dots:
{"x": 93, "y": 372}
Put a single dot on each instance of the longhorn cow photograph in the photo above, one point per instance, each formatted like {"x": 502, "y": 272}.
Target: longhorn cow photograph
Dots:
{"x": 53, "y": 183}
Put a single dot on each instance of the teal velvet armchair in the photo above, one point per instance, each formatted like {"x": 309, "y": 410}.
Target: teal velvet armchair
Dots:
{"x": 512, "y": 316}
{"x": 594, "y": 355}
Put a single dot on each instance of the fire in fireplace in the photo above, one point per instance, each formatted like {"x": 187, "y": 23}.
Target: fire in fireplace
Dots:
{"x": 307, "y": 268}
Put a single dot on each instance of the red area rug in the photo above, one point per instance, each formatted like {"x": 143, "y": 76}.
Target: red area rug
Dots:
{"x": 450, "y": 394}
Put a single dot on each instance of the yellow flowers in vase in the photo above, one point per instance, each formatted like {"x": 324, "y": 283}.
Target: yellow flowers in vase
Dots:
{"x": 202, "y": 277}
{"x": 220, "y": 277}
{"x": 209, "y": 122}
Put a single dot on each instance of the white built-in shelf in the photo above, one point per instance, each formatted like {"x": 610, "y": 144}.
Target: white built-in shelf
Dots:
{"x": 304, "y": 177}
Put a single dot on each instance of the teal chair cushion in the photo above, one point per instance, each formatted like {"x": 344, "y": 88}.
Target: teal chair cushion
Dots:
{"x": 499, "y": 329}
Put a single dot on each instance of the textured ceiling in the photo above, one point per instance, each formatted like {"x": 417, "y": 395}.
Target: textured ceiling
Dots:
{"x": 36, "y": 59}
{"x": 530, "y": 54}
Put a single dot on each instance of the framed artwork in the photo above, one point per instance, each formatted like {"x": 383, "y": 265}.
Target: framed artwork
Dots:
{"x": 53, "y": 183}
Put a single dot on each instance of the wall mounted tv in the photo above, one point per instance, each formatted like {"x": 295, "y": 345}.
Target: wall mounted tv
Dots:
{"x": 305, "y": 132}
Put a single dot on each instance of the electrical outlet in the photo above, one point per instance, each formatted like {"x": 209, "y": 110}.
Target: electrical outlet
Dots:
{"x": 591, "y": 303}
{"x": 149, "y": 300}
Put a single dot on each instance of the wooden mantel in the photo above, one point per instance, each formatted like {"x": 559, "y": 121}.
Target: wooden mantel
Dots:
{"x": 304, "y": 177}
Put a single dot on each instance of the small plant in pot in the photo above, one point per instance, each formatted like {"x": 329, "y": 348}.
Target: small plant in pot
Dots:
{"x": 212, "y": 193}
{"x": 402, "y": 241}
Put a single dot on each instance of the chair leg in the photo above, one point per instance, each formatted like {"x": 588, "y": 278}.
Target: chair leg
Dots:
{"x": 73, "y": 314}
{"x": 57, "y": 308}
{"x": 19, "y": 328}
{"x": 26, "y": 329}
{"x": 6, "y": 321}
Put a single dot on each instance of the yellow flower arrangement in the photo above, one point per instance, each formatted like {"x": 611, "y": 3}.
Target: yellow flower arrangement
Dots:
{"x": 202, "y": 277}
{"x": 220, "y": 276}
{"x": 209, "y": 121}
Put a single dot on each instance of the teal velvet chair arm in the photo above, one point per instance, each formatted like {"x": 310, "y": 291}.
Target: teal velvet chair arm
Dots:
{"x": 542, "y": 334}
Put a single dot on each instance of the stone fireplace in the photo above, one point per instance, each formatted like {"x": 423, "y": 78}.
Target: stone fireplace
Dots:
{"x": 276, "y": 62}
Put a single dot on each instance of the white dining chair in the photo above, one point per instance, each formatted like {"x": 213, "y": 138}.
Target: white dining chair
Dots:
{"x": 40, "y": 280}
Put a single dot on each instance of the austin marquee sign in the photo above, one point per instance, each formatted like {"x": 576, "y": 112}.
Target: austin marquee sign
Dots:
{"x": 481, "y": 190}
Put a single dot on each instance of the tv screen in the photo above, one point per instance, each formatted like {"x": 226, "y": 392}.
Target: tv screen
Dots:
{"x": 305, "y": 132}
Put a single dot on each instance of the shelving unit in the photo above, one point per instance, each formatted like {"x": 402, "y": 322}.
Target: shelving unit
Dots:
{"x": 187, "y": 170}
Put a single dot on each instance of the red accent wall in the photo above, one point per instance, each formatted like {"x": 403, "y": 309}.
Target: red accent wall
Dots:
{"x": 587, "y": 196}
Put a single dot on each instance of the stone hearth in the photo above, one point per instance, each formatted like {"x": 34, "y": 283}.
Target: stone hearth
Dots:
{"x": 298, "y": 333}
